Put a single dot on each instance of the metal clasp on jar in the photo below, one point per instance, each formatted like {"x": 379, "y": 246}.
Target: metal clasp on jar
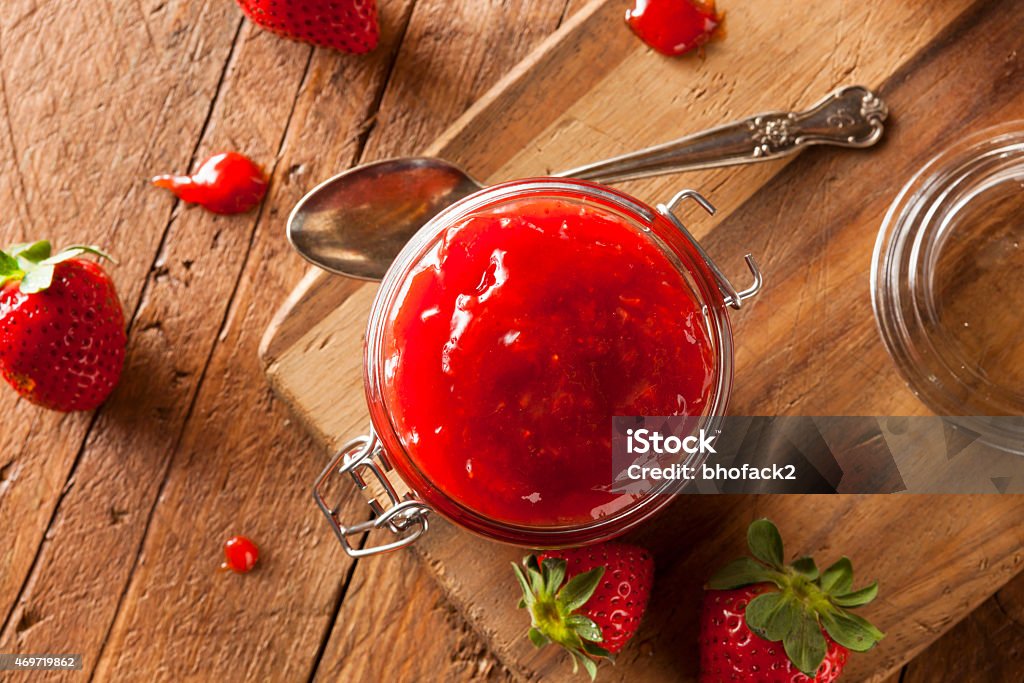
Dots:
{"x": 396, "y": 511}
{"x": 732, "y": 297}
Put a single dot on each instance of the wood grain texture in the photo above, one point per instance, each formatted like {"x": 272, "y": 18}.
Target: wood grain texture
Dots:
{"x": 248, "y": 472}
{"x": 187, "y": 309}
{"x": 397, "y": 625}
{"x": 71, "y": 105}
{"x": 816, "y": 307}
{"x": 986, "y": 646}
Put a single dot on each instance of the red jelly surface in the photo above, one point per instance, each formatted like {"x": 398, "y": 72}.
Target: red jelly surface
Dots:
{"x": 673, "y": 27}
{"x": 225, "y": 183}
{"x": 517, "y": 338}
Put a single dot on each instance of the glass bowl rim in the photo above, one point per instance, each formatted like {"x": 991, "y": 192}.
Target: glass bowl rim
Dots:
{"x": 906, "y": 233}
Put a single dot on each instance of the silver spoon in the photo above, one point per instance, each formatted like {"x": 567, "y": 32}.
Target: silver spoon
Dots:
{"x": 355, "y": 223}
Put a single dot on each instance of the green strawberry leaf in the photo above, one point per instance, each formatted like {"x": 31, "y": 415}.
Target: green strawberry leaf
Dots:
{"x": 741, "y": 572}
{"x": 766, "y": 543}
{"x": 851, "y": 631}
{"x": 34, "y": 252}
{"x": 595, "y": 650}
{"x": 533, "y": 572}
{"x": 9, "y": 268}
{"x": 553, "y": 570}
{"x": 772, "y": 615}
{"x": 589, "y": 665}
{"x": 857, "y": 598}
{"x": 579, "y": 589}
{"x": 805, "y": 645}
{"x": 77, "y": 250}
{"x": 537, "y": 638}
{"x": 838, "y": 578}
{"x": 524, "y": 584}
{"x": 585, "y": 627}
{"x": 806, "y": 568}
{"x": 37, "y": 279}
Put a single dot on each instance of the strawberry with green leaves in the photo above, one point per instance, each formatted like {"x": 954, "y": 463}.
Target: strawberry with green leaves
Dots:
{"x": 588, "y": 600}
{"x": 770, "y": 622}
{"x": 62, "y": 332}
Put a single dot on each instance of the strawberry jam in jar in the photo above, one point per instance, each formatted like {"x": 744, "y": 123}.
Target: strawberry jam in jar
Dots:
{"x": 510, "y": 331}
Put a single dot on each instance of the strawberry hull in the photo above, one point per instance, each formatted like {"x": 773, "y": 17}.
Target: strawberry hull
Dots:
{"x": 731, "y": 652}
{"x": 768, "y": 621}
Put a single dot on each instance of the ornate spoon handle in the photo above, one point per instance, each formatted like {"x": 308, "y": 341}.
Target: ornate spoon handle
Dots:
{"x": 849, "y": 117}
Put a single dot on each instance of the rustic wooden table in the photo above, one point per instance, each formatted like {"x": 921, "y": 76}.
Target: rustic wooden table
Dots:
{"x": 112, "y": 522}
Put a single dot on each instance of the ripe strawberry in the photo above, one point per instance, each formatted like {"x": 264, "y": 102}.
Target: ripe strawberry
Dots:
{"x": 62, "y": 336}
{"x": 604, "y": 596}
{"x": 773, "y": 623}
{"x": 346, "y": 25}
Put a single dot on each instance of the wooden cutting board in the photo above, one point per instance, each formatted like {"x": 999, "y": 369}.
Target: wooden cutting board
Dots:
{"x": 806, "y": 345}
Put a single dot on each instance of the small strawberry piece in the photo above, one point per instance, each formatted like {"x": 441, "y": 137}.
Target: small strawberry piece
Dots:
{"x": 588, "y": 600}
{"x": 674, "y": 27}
{"x": 62, "y": 331}
{"x": 240, "y": 554}
{"x": 774, "y": 623}
{"x": 225, "y": 183}
{"x": 346, "y": 25}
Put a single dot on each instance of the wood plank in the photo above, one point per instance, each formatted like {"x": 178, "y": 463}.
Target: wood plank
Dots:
{"x": 842, "y": 44}
{"x": 240, "y": 466}
{"x": 122, "y": 467}
{"x": 983, "y": 648}
{"x": 73, "y": 169}
{"x": 395, "y": 625}
{"x": 72, "y": 598}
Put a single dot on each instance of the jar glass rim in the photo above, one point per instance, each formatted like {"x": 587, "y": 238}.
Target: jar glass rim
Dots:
{"x": 688, "y": 262}
{"x": 914, "y": 238}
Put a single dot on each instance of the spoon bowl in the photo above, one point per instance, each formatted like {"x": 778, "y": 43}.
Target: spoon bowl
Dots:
{"x": 356, "y": 222}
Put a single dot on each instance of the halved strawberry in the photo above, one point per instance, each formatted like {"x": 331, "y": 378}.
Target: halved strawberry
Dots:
{"x": 346, "y": 25}
{"x": 770, "y": 622}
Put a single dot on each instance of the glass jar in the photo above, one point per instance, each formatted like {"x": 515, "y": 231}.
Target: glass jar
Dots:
{"x": 390, "y": 465}
{"x": 947, "y": 284}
